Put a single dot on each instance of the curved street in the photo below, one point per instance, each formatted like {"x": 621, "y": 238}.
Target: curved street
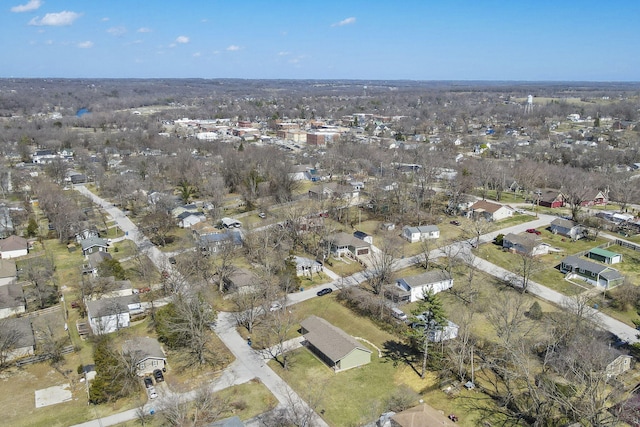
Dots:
{"x": 250, "y": 364}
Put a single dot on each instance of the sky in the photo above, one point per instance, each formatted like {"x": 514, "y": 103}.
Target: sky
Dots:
{"x": 541, "y": 40}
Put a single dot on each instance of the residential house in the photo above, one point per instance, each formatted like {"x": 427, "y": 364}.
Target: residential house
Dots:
{"x": 332, "y": 345}
{"x": 550, "y": 198}
{"x": 526, "y": 244}
{"x": 344, "y": 244}
{"x": 188, "y": 219}
{"x": 13, "y": 247}
{"x": 214, "y": 242}
{"x": 8, "y": 271}
{"x": 413, "y": 288}
{"x": 26, "y": 342}
{"x": 420, "y": 233}
{"x": 184, "y": 208}
{"x": 234, "y": 421}
{"x": 87, "y": 233}
{"x": 333, "y": 190}
{"x": 146, "y": 353}
{"x": 591, "y": 272}
{"x": 307, "y": 266}
{"x": 94, "y": 244}
{"x": 242, "y": 280}
{"x": 567, "y": 228}
{"x": 300, "y": 173}
{"x": 41, "y": 157}
{"x": 12, "y": 302}
{"x": 619, "y": 364}
{"x": 93, "y": 261}
{"x": 604, "y": 256}
{"x": 422, "y": 415}
{"x": 108, "y": 315}
{"x": 596, "y": 198}
{"x": 491, "y": 211}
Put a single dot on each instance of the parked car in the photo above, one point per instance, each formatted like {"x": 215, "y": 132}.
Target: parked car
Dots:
{"x": 275, "y": 306}
{"x": 172, "y": 260}
{"x": 533, "y": 231}
{"x": 454, "y": 222}
{"x": 324, "y": 291}
{"x": 157, "y": 374}
{"x": 262, "y": 215}
{"x": 148, "y": 382}
{"x": 151, "y": 391}
{"x": 75, "y": 304}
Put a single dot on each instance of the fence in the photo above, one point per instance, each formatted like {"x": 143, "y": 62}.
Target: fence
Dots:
{"x": 626, "y": 244}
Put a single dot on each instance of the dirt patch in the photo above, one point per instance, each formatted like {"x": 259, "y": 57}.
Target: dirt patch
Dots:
{"x": 53, "y": 395}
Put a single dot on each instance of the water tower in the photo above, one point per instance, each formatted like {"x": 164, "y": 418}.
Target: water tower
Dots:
{"x": 529, "y": 106}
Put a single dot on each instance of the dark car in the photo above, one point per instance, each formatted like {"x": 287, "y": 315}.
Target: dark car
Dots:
{"x": 172, "y": 260}
{"x": 148, "y": 382}
{"x": 454, "y": 222}
{"x": 324, "y": 291}
{"x": 157, "y": 374}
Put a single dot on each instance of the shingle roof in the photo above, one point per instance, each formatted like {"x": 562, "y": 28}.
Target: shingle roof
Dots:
{"x": 486, "y": 206}
{"x": 564, "y": 223}
{"x": 429, "y": 277}
{"x": 332, "y": 341}
{"x": 583, "y": 264}
{"x": 11, "y": 296}
{"x": 344, "y": 239}
{"x": 145, "y": 347}
{"x": 13, "y": 243}
{"x": 110, "y": 306}
{"x": 93, "y": 241}
{"x": 21, "y": 325}
{"x": 8, "y": 268}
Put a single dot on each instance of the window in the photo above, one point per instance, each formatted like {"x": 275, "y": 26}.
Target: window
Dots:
{"x": 141, "y": 365}
{"x": 154, "y": 363}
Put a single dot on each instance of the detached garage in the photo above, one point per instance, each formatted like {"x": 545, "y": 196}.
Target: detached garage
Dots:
{"x": 604, "y": 256}
{"x": 332, "y": 345}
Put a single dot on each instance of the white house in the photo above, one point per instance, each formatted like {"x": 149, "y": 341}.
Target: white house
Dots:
{"x": 188, "y": 219}
{"x": 306, "y": 266}
{"x": 13, "y": 247}
{"x": 491, "y": 211}
{"x": 230, "y": 223}
{"x": 421, "y": 232}
{"x": 414, "y": 287}
{"x": 108, "y": 315}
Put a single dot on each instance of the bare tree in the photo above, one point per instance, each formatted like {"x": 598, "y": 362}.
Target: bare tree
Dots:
{"x": 279, "y": 325}
{"x": 10, "y": 336}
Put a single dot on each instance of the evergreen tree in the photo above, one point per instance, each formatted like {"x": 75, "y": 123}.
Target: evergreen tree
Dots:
{"x": 427, "y": 319}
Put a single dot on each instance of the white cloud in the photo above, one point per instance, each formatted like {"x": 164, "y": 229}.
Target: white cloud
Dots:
{"x": 117, "y": 31}
{"x": 85, "y": 45}
{"x": 56, "y": 19}
{"x": 144, "y": 30}
{"x": 233, "y": 48}
{"x": 31, "y": 5}
{"x": 283, "y": 53}
{"x": 197, "y": 55}
{"x": 182, "y": 39}
{"x": 105, "y": 19}
{"x": 347, "y": 21}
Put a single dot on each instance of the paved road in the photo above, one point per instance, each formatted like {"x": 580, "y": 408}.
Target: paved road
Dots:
{"x": 250, "y": 364}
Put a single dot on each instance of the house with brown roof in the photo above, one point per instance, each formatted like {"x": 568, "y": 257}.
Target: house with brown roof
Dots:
{"x": 550, "y": 198}
{"x": 422, "y": 415}
{"x": 490, "y": 211}
{"x": 13, "y": 247}
{"x": 332, "y": 345}
{"x": 8, "y": 271}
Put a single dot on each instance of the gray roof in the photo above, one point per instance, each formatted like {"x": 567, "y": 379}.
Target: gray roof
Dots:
{"x": 305, "y": 262}
{"x": 564, "y": 223}
{"x": 109, "y": 306}
{"x": 605, "y": 271}
{"x": 228, "y": 422}
{"x": 433, "y": 276}
{"x": 422, "y": 228}
{"x": 11, "y": 296}
{"x": 13, "y": 243}
{"x": 8, "y": 268}
{"x": 97, "y": 257}
{"x": 23, "y": 326}
{"x": 333, "y": 342}
{"x": 525, "y": 240}
{"x": 93, "y": 241}
{"x": 344, "y": 239}
{"x": 145, "y": 348}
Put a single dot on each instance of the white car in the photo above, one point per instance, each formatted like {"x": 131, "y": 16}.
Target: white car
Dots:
{"x": 152, "y": 392}
{"x": 275, "y": 306}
